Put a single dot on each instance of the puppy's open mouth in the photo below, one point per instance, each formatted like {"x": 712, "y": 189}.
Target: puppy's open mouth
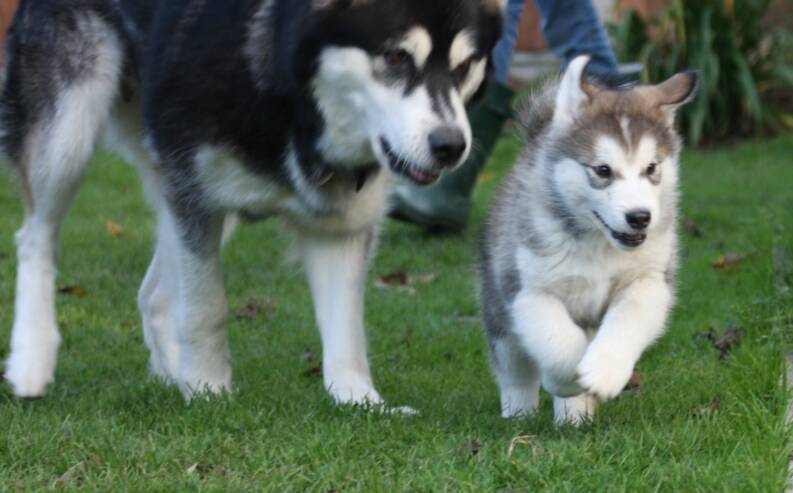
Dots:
{"x": 418, "y": 175}
{"x": 628, "y": 240}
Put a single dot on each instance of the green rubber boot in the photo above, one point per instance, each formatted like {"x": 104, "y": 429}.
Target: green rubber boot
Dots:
{"x": 445, "y": 207}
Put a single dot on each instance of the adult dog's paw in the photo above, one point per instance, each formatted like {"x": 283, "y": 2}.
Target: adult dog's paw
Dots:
{"x": 604, "y": 373}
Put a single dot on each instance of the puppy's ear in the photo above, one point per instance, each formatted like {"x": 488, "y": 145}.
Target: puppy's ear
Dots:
{"x": 674, "y": 93}
{"x": 574, "y": 92}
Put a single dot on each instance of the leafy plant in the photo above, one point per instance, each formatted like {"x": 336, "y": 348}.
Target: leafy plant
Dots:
{"x": 746, "y": 68}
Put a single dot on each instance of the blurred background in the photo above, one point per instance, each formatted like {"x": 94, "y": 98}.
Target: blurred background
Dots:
{"x": 742, "y": 48}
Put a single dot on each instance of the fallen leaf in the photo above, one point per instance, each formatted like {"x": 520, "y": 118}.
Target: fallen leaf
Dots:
{"x": 192, "y": 469}
{"x": 398, "y": 278}
{"x": 728, "y": 262}
{"x": 471, "y": 448}
{"x": 76, "y": 291}
{"x": 314, "y": 371}
{"x": 520, "y": 440}
{"x": 114, "y": 229}
{"x": 72, "y": 475}
{"x": 401, "y": 281}
{"x": 635, "y": 383}
{"x": 707, "y": 410}
{"x": 693, "y": 229}
{"x": 254, "y": 309}
{"x": 729, "y": 340}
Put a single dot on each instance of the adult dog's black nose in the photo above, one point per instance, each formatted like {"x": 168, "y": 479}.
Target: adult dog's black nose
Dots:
{"x": 639, "y": 218}
{"x": 447, "y": 145}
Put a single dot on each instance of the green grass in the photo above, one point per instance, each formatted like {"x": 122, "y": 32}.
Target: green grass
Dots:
{"x": 279, "y": 431}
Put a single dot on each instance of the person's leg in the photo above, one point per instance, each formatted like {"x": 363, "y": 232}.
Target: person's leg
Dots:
{"x": 572, "y": 28}
{"x": 446, "y": 205}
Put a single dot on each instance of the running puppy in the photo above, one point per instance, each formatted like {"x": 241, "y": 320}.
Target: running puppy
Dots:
{"x": 579, "y": 251}
{"x": 302, "y": 109}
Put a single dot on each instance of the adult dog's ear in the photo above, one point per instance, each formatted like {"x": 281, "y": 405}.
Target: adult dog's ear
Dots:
{"x": 494, "y": 5}
{"x": 337, "y": 4}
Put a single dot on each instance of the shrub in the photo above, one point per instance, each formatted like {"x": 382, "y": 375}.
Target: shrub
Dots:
{"x": 746, "y": 68}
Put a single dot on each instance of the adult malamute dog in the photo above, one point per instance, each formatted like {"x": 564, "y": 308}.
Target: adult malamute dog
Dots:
{"x": 579, "y": 252}
{"x": 303, "y": 109}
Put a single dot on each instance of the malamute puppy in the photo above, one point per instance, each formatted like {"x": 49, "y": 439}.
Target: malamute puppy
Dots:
{"x": 301, "y": 109}
{"x": 579, "y": 251}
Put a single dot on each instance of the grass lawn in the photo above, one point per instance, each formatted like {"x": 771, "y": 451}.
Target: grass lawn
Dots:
{"x": 698, "y": 423}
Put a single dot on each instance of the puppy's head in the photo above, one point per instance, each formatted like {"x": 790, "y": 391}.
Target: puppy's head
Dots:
{"x": 615, "y": 153}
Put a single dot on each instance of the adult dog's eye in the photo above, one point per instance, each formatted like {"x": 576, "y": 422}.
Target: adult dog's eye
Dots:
{"x": 604, "y": 171}
{"x": 652, "y": 168}
{"x": 461, "y": 72}
{"x": 397, "y": 58}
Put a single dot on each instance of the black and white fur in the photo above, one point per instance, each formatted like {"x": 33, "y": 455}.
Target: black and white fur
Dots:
{"x": 579, "y": 252}
{"x": 303, "y": 109}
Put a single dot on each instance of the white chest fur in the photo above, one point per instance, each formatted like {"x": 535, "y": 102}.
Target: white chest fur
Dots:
{"x": 586, "y": 274}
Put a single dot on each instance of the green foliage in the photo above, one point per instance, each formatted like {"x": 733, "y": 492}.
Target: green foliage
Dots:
{"x": 746, "y": 69}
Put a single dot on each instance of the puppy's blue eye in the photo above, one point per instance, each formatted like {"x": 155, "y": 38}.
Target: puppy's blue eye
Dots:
{"x": 603, "y": 171}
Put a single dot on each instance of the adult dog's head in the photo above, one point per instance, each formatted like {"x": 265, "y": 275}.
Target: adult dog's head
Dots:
{"x": 391, "y": 79}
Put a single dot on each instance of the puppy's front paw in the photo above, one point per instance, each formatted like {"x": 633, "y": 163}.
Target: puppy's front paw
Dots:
{"x": 604, "y": 373}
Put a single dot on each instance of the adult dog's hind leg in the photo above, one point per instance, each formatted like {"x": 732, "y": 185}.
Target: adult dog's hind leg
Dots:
{"x": 52, "y": 164}
{"x": 336, "y": 268}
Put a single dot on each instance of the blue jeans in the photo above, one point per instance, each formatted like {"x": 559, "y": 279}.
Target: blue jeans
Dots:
{"x": 571, "y": 27}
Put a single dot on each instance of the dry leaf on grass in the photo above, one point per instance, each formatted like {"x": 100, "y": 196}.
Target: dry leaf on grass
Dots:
{"x": 727, "y": 342}
{"x": 254, "y": 309}
{"x": 634, "y": 384}
{"x": 693, "y": 229}
{"x": 707, "y": 410}
{"x": 71, "y": 476}
{"x": 313, "y": 372}
{"x": 521, "y": 440}
{"x": 402, "y": 281}
{"x": 728, "y": 262}
{"x": 114, "y": 229}
{"x": 473, "y": 447}
{"x": 75, "y": 291}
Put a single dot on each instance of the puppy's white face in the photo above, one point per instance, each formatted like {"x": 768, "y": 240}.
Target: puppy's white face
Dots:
{"x": 619, "y": 190}
{"x": 404, "y": 106}
{"x": 614, "y": 155}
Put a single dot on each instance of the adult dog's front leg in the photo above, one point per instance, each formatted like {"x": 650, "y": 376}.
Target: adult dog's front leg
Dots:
{"x": 634, "y": 321}
{"x": 197, "y": 352}
{"x": 336, "y": 267}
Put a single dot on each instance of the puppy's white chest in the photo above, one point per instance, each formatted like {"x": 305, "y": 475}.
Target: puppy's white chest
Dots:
{"x": 585, "y": 280}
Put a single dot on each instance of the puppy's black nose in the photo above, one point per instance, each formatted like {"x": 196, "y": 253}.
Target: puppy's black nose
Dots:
{"x": 639, "y": 218}
{"x": 447, "y": 145}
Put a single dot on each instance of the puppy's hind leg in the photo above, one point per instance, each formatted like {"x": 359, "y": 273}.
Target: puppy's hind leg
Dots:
{"x": 51, "y": 161}
{"x": 574, "y": 410}
{"x": 517, "y": 376}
